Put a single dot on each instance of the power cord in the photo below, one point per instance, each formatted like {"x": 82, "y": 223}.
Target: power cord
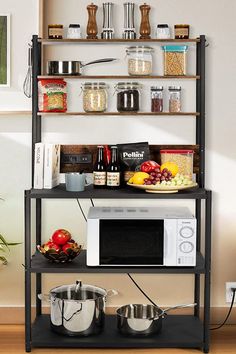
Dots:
{"x": 81, "y": 210}
{"x": 229, "y": 312}
{"x": 141, "y": 289}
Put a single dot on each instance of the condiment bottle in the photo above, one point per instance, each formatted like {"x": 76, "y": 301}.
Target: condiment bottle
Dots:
{"x": 157, "y": 99}
{"x": 99, "y": 170}
{"x": 113, "y": 170}
{"x": 55, "y": 31}
{"x": 181, "y": 31}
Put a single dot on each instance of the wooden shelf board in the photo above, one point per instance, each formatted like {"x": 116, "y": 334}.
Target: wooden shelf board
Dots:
{"x": 117, "y": 77}
{"x": 14, "y": 113}
{"x": 139, "y": 114}
{"x": 118, "y": 40}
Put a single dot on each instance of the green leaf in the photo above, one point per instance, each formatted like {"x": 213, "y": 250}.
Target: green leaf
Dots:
{"x": 3, "y": 260}
{"x": 4, "y": 242}
{"x": 2, "y": 249}
{"x": 11, "y": 243}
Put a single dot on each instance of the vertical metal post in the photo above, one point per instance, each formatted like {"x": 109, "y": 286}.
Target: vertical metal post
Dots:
{"x": 27, "y": 272}
{"x": 201, "y": 103}
{"x": 198, "y": 249}
{"x": 207, "y": 283}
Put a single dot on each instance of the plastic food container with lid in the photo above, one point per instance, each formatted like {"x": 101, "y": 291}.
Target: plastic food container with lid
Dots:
{"x": 95, "y": 96}
{"x": 175, "y": 60}
{"x": 182, "y": 158}
{"x": 128, "y": 96}
{"x": 139, "y": 60}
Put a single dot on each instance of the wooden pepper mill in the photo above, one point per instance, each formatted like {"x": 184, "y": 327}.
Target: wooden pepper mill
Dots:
{"x": 145, "y": 28}
{"x": 92, "y": 29}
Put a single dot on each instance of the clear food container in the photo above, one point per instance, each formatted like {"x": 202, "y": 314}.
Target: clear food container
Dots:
{"x": 182, "y": 158}
{"x": 128, "y": 96}
{"x": 174, "y": 99}
{"x": 139, "y": 60}
{"x": 95, "y": 96}
{"x": 175, "y": 60}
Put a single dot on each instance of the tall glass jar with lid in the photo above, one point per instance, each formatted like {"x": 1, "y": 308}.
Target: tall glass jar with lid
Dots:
{"x": 174, "y": 99}
{"x": 128, "y": 94}
{"x": 139, "y": 60}
{"x": 95, "y": 98}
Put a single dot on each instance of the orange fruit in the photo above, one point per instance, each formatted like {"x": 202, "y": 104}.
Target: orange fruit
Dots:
{"x": 171, "y": 166}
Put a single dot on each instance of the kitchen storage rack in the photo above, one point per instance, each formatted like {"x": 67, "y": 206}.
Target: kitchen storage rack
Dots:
{"x": 186, "y": 331}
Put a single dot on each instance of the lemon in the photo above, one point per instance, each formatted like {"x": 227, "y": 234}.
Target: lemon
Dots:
{"x": 139, "y": 177}
{"x": 171, "y": 166}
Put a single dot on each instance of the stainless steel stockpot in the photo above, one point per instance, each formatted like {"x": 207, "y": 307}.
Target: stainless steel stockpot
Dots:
{"x": 142, "y": 320}
{"x": 77, "y": 309}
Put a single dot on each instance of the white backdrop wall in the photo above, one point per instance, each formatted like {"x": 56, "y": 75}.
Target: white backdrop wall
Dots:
{"x": 205, "y": 17}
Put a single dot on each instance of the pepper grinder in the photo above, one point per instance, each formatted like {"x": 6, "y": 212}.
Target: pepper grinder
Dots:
{"x": 129, "y": 29}
{"x": 92, "y": 29}
{"x": 145, "y": 28}
{"x": 107, "y": 28}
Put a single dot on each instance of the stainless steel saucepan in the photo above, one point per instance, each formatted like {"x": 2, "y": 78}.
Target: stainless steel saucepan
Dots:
{"x": 142, "y": 320}
{"x": 69, "y": 68}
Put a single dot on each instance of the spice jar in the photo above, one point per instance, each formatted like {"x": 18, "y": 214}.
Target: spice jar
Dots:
{"x": 163, "y": 31}
{"x": 181, "y": 31}
{"x": 175, "y": 60}
{"x": 55, "y": 31}
{"x": 128, "y": 96}
{"x": 94, "y": 96}
{"x": 182, "y": 158}
{"x": 174, "y": 99}
{"x": 157, "y": 99}
{"x": 73, "y": 31}
{"x": 139, "y": 60}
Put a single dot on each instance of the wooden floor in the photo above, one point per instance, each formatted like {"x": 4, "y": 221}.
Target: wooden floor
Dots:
{"x": 12, "y": 341}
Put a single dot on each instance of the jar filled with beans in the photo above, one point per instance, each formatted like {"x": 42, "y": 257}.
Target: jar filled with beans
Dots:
{"x": 95, "y": 96}
{"x": 128, "y": 94}
{"x": 139, "y": 60}
{"x": 182, "y": 158}
{"x": 175, "y": 60}
{"x": 174, "y": 99}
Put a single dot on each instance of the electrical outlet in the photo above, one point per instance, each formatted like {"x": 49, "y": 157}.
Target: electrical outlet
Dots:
{"x": 229, "y": 292}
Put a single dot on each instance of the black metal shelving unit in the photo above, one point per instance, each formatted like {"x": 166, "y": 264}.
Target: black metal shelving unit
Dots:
{"x": 185, "y": 331}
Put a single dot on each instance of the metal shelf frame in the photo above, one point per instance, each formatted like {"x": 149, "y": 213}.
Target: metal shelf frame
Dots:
{"x": 35, "y": 265}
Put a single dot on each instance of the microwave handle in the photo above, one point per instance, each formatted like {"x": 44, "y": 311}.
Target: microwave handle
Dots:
{"x": 166, "y": 242}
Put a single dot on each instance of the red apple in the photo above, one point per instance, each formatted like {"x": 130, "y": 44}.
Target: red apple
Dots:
{"x": 51, "y": 246}
{"x": 149, "y": 166}
{"x": 61, "y": 237}
{"x": 68, "y": 246}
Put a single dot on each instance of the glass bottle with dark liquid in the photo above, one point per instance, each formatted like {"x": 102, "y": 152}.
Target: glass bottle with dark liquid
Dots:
{"x": 99, "y": 170}
{"x": 113, "y": 170}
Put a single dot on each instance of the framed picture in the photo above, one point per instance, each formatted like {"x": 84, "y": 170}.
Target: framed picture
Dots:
{"x": 4, "y": 50}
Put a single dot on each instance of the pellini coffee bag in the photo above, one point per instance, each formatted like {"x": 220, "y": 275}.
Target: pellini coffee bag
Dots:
{"x": 131, "y": 156}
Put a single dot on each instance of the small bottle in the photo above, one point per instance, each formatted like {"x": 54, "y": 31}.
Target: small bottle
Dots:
{"x": 113, "y": 170}
{"x": 157, "y": 99}
{"x": 174, "y": 99}
{"x": 99, "y": 170}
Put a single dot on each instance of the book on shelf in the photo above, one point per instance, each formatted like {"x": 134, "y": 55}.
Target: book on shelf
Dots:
{"x": 46, "y": 166}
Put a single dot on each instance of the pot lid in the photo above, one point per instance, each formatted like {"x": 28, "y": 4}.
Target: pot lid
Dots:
{"x": 78, "y": 291}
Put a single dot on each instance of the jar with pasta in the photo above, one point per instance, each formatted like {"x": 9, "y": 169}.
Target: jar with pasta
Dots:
{"x": 175, "y": 60}
{"x": 182, "y": 158}
{"x": 95, "y": 96}
{"x": 139, "y": 60}
{"x": 174, "y": 99}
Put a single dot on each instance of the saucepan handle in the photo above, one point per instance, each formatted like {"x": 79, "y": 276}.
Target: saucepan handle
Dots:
{"x": 105, "y": 60}
{"x": 111, "y": 293}
{"x": 179, "y": 307}
{"x": 44, "y": 297}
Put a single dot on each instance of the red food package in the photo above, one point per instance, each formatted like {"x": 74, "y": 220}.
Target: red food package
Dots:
{"x": 52, "y": 95}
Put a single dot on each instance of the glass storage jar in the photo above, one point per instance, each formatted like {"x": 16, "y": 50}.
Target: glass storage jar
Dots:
{"x": 182, "y": 158}
{"x": 55, "y": 31}
{"x": 128, "y": 96}
{"x": 95, "y": 96}
{"x": 163, "y": 31}
{"x": 73, "y": 31}
{"x": 139, "y": 60}
{"x": 182, "y": 31}
{"x": 174, "y": 99}
{"x": 175, "y": 60}
{"x": 157, "y": 99}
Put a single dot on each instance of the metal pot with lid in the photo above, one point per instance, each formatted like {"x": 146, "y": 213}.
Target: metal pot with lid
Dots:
{"x": 77, "y": 309}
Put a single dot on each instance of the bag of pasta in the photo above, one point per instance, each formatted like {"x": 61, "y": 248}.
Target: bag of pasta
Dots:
{"x": 52, "y": 95}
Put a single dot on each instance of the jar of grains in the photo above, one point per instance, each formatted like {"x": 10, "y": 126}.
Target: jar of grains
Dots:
{"x": 95, "y": 96}
{"x": 175, "y": 60}
{"x": 128, "y": 96}
{"x": 156, "y": 99}
{"x": 182, "y": 158}
{"x": 139, "y": 60}
{"x": 174, "y": 99}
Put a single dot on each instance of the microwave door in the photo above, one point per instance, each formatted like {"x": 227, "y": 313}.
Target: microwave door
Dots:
{"x": 131, "y": 242}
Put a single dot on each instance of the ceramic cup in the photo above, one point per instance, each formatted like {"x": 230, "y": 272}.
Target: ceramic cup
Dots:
{"x": 75, "y": 181}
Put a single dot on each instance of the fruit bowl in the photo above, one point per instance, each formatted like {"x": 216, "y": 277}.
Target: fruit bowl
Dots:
{"x": 159, "y": 188}
{"x": 60, "y": 256}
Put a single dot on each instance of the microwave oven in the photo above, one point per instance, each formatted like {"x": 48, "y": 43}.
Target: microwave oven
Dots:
{"x": 141, "y": 236}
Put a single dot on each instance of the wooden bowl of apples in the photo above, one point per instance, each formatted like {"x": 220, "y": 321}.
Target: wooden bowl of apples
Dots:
{"x": 61, "y": 248}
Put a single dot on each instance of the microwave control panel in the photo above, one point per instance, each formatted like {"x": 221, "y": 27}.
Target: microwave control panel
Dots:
{"x": 186, "y": 242}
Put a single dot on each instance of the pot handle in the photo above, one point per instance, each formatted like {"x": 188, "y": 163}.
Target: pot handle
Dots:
{"x": 111, "y": 293}
{"x": 106, "y": 60}
{"x": 179, "y": 307}
{"x": 44, "y": 297}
